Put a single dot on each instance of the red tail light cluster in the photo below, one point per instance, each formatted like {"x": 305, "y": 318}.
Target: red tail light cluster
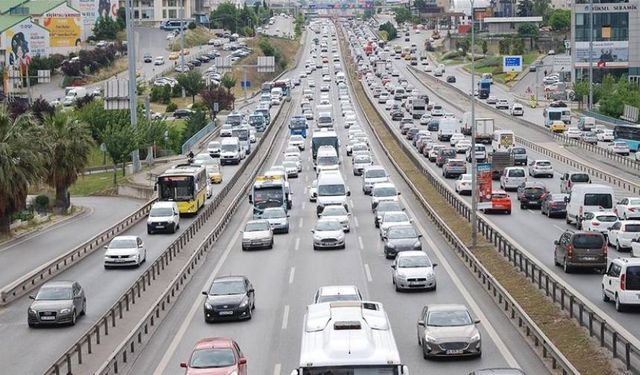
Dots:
{"x": 623, "y": 280}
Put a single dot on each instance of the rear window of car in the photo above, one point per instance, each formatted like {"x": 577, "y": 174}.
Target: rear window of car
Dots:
{"x": 633, "y": 278}
{"x": 456, "y": 163}
{"x": 534, "y": 190}
{"x": 544, "y": 163}
{"x": 632, "y": 228}
{"x": 588, "y": 241}
{"x": 516, "y": 173}
{"x": 499, "y": 195}
{"x": 579, "y": 177}
{"x": 606, "y": 218}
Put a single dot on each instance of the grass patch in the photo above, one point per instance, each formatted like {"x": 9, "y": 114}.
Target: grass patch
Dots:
{"x": 192, "y": 38}
{"x": 178, "y": 124}
{"x": 493, "y": 65}
{"x": 119, "y": 65}
{"x": 96, "y": 157}
{"x": 563, "y": 331}
{"x": 95, "y": 184}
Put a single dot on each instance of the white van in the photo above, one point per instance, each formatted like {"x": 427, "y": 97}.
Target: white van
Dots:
{"x": 231, "y": 151}
{"x": 163, "y": 217}
{"x": 398, "y": 93}
{"x": 332, "y": 190}
{"x": 325, "y": 120}
{"x": 340, "y": 77}
{"x": 73, "y": 94}
{"x": 588, "y": 198}
{"x": 503, "y": 140}
{"x": 447, "y": 127}
{"x": 327, "y": 159}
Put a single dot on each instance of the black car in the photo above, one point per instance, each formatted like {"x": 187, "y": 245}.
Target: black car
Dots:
{"x": 195, "y": 62}
{"x": 204, "y": 58}
{"x": 531, "y": 193}
{"x": 229, "y": 298}
{"x": 147, "y": 58}
{"x": 397, "y": 115}
{"x": 433, "y": 125}
{"x": 451, "y": 79}
{"x": 181, "y": 113}
{"x": 554, "y": 205}
{"x": 401, "y": 238}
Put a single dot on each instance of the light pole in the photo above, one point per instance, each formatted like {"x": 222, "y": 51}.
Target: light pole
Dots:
{"x": 474, "y": 162}
{"x": 591, "y": 29}
{"x": 133, "y": 102}
{"x": 182, "y": 31}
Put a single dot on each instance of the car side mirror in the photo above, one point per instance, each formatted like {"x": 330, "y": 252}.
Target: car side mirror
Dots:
{"x": 242, "y": 361}
{"x": 313, "y": 230}
{"x": 393, "y": 266}
{"x": 32, "y": 297}
{"x": 251, "y": 290}
{"x": 183, "y": 364}
{"x": 348, "y": 193}
{"x": 204, "y": 292}
{"x": 155, "y": 187}
{"x": 555, "y": 242}
{"x": 421, "y": 323}
{"x": 477, "y": 321}
{"x": 141, "y": 246}
{"x": 250, "y": 199}
{"x": 294, "y": 372}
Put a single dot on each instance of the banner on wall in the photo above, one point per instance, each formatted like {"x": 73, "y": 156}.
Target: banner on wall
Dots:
{"x": 484, "y": 186}
{"x": 90, "y": 10}
{"x": 65, "y": 26}
{"x": 23, "y": 41}
{"x": 604, "y": 54}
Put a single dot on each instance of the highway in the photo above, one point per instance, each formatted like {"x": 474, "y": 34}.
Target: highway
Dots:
{"x": 533, "y": 231}
{"x": 102, "y": 288}
{"x": 282, "y": 26}
{"x": 27, "y": 253}
{"x": 286, "y": 277}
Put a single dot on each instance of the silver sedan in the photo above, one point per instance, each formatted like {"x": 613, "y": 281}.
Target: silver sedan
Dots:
{"x": 448, "y": 330}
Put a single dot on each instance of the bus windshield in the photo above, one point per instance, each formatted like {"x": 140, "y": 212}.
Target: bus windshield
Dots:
{"x": 268, "y": 197}
{"x": 353, "y": 370}
{"x": 553, "y": 116}
{"x": 242, "y": 133}
{"x": 175, "y": 188}
{"x": 298, "y": 123}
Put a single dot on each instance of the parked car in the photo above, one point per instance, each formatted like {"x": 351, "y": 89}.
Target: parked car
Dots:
{"x": 56, "y": 303}
{"x": 442, "y": 329}
{"x": 257, "y": 234}
{"x": 580, "y": 249}
{"x": 229, "y": 298}
{"x": 216, "y": 355}
{"x": 621, "y": 283}
{"x": 413, "y": 270}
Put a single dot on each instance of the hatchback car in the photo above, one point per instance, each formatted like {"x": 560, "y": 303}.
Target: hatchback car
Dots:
{"x": 540, "y": 168}
{"x": 277, "y": 217}
{"x": 216, "y": 356}
{"x": 512, "y": 177}
{"x": 400, "y": 238}
{"x": 125, "y": 251}
{"x": 589, "y": 137}
{"x": 451, "y": 79}
{"x": 391, "y": 218}
{"x": 531, "y": 194}
{"x": 444, "y": 154}
{"x": 297, "y": 141}
{"x": 621, "y": 283}
{"x": 383, "y": 191}
{"x": 359, "y": 164}
{"x": 628, "y": 208}
{"x": 385, "y": 206}
{"x": 229, "y": 298}
{"x": 619, "y": 147}
{"x": 57, "y": 302}
{"x": 554, "y": 205}
{"x": 580, "y": 249}
{"x": 454, "y": 168}
{"x": 371, "y": 175}
{"x": 257, "y": 234}
{"x": 337, "y": 293}
{"x": 448, "y": 330}
{"x": 413, "y": 270}
{"x": 328, "y": 233}
{"x": 502, "y": 104}
{"x": 463, "y": 184}
{"x": 339, "y": 213}
{"x": 622, "y": 233}
{"x": 500, "y": 201}
{"x": 600, "y": 221}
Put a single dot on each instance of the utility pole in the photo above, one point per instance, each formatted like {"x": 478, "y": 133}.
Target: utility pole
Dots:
{"x": 182, "y": 31}
{"x": 591, "y": 30}
{"x": 474, "y": 162}
{"x": 133, "y": 96}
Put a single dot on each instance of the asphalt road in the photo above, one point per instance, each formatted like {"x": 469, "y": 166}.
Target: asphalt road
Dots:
{"x": 527, "y": 227}
{"x": 286, "y": 277}
{"x": 102, "y": 288}
{"x": 282, "y": 26}
{"x": 25, "y": 254}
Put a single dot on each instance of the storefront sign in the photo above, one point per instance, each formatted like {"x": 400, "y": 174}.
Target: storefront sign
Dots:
{"x": 484, "y": 185}
{"x": 604, "y": 54}
{"x": 64, "y": 25}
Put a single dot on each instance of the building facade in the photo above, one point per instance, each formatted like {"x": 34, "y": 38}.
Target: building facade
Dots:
{"x": 614, "y": 25}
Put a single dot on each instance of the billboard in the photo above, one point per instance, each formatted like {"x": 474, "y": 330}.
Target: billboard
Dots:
{"x": 22, "y": 41}
{"x": 604, "y": 54}
{"x": 484, "y": 186}
{"x": 90, "y": 10}
{"x": 64, "y": 25}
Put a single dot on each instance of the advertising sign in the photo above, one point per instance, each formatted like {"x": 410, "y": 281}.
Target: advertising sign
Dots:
{"x": 512, "y": 63}
{"x": 484, "y": 187}
{"x": 90, "y": 10}
{"x": 64, "y": 25}
{"x": 604, "y": 54}
{"x": 23, "y": 41}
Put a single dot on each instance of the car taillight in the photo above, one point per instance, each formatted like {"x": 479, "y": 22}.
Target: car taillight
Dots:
{"x": 605, "y": 249}
{"x": 580, "y": 211}
{"x": 570, "y": 250}
{"x": 632, "y": 209}
{"x": 595, "y": 223}
{"x": 622, "y": 281}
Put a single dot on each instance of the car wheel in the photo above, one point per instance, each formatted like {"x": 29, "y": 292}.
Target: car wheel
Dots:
{"x": 424, "y": 351}
{"x": 605, "y": 297}
{"x": 250, "y": 314}
{"x": 555, "y": 259}
{"x": 271, "y": 244}
{"x": 315, "y": 247}
{"x": 619, "y": 306}
{"x": 84, "y": 308}
{"x": 73, "y": 318}
{"x": 149, "y": 231}
{"x": 244, "y": 248}
{"x": 618, "y": 248}
{"x": 565, "y": 266}
{"x": 508, "y": 212}
{"x": 521, "y": 206}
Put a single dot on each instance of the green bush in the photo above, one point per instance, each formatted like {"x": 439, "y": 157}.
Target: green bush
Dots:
{"x": 24, "y": 215}
{"x": 171, "y": 107}
{"x": 41, "y": 203}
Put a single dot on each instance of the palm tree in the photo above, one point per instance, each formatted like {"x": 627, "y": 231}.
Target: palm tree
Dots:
{"x": 70, "y": 142}
{"x": 23, "y": 155}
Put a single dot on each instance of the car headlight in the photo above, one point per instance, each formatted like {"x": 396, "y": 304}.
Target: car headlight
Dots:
{"x": 429, "y": 338}
{"x": 244, "y": 302}
{"x": 208, "y": 306}
{"x": 475, "y": 337}
{"x": 65, "y": 311}
{"x": 31, "y": 311}
{"x": 417, "y": 245}
{"x": 391, "y": 245}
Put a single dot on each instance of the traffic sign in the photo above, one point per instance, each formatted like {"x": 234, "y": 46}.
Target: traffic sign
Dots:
{"x": 512, "y": 63}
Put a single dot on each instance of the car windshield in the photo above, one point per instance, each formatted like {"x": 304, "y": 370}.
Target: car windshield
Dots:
{"x": 327, "y": 160}
{"x": 334, "y": 211}
{"x": 122, "y": 243}
{"x": 516, "y": 173}
{"x": 331, "y": 190}
{"x": 534, "y": 190}
{"x": 230, "y": 147}
{"x": 211, "y": 358}
{"x": 57, "y": 293}
{"x": 384, "y": 191}
{"x": 362, "y": 159}
{"x": 223, "y": 288}
{"x": 402, "y": 232}
{"x": 456, "y": 163}
{"x": 256, "y": 226}
{"x": 395, "y": 217}
{"x": 160, "y": 211}
{"x": 543, "y": 163}
{"x": 274, "y": 213}
{"x": 605, "y": 218}
{"x": 499, "y": 195}
{"x": 588, "y": 241}
{"x": 635, "y": 228}
{"x": 414, "y": 261}
{"x": 290, "y": 164}
{"x": 375, "y": 173}
{"x": 580, "y": 177}
{"x": 451, "y": 318}
{"x": 465, "y": 177}
{"x": 328, "y": 225}
{"x": 296, "y": 138}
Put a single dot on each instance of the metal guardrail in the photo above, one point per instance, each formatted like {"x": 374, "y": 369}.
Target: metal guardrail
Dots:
{"x": 607, "y": 119}
{"x": 501, "y": 296}
{"x": 611, "y": 335}
{"x": 145, "y": 328}
{"x": 186, "y": 146}
{"x": 26, "y": 283}
{"x": 624, "y": 160}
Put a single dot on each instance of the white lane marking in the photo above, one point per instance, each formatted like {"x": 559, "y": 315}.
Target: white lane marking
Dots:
{"x": 292, "y": 274}
{"x": 360, "y": 243}
{"x": 285, "y": 317}
{"x": 306, "y": 178}
{"x": 367, "y": 271}
{"x": 491, "y": 331}
{"x": 559, "y": 228}
{"x": 197, "y": 305}
{"x": 355, "y": 221}
{"x": 277, "y": 369}
{"x": 301, "y": 222}
{"x": 297, "y": 246}
{"x": 304, "y": 203}
{"x": 529, "y": 210}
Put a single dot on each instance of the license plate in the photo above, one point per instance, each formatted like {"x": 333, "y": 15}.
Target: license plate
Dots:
{"x": 48, "y": 318}
{"x": 415, "y": 283}
{"x": 457, "y": 351}
{"x": 589, "y": 258}
{"x": 159, "y": 226}
{"x": 534, "y": 202}
{"x": 226, "y": 312}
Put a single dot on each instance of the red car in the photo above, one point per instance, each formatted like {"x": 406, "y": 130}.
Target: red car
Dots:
{"x": 500, "y": 201}
{"x": 216, "y": 356}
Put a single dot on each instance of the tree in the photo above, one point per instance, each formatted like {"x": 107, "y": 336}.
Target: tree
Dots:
{"x": 402, "y": 14}
{"x": 541, "y": 8}
{"x": 23, "y": 152}
{"x": 391, "y": 30}
{"x": 421, "y": 5}
{"x": 195, "y": 123}
{"x": 504, "y": 45}
{"x": 225, "y": 16}
{"x": 191, "y": 82}
{"x": 560, "y": 20}
{"x": 485, "y": 47}
{"x": 528, "y": 30}
{"x": 122, "y": 17}
{"x": 70, "y": 144}
{"x": 151, "y": 134}
{"x": 219, "y": 95}
{"x": 525, "y": 8}
{"x": 121, "y": 141}
{"x": 228, "y": 82}
{"x": 517, "y": 46}
{"x": 106, "y": 28}
{"x": 368, "y": 13}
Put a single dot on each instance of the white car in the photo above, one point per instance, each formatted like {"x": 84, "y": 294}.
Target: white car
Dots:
{"x": 292, "y": 151}
{"x": 502, "y": 104}
{"x": 312, "y": 190}
{"x": 462, "y": 146}
{"x": 257, "y": 234}
{"x": 463, "y": 184}
{"x": 617, "y": 286}
{"x": 125, "y": 251}
{"x": 573, "y": 132}
{"x": 628, "y": 208}
{"x": 622, "y": 233}
{"x": 516, "y": 109}
{"x": 226, "y": 130}
{"x": 392, "y": 218}
{"x": 619, "y": 147}
{"x": 606, "y": 135}
{"x": 159, "y": 60}
{"x": 512, "y": 177}
{"x": 328, "y": 233}
{"x": 297, "y": 141}
{"x": 339, "y": 213}
{"x": 599, "y": 221}
{"x": 540, "y": 168}
{"x": 383, "y": 191}
{"x": 413, "y": 270}
{"x": 425, "y": 119}
{"x": 311, "y": 83}
{"x": 455, "y": 138}
{"x": 163, "y": 216}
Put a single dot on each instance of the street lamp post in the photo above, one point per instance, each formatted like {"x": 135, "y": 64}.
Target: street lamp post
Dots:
{"x": 133, "y": 102}
{"x": 182, "y": 31}
{"x": 474, "y": 162}
{"x": 591, "y": 30}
